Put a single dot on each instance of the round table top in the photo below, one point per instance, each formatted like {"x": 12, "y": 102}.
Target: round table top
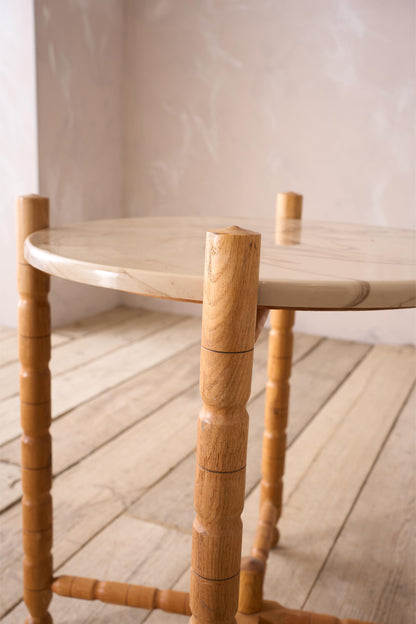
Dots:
{"x": 304, "y": 265}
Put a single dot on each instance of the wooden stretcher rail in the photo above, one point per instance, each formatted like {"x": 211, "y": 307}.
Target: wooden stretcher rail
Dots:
{"x": 138, "y": 596}
{"x": 274, "y": 613}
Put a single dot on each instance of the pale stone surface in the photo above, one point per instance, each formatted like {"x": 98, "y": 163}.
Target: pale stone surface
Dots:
{"x": 308, "y": 265}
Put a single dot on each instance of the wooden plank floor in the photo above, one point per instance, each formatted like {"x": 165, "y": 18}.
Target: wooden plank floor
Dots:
{"x": 125, "y": 402}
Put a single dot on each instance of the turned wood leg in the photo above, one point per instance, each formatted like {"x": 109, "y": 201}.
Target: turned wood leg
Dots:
{"x": 34, "y": 355}
{"x": 288, "y": 206}
{"x": 279, "y": 364}
{"x": 228, "y": 335}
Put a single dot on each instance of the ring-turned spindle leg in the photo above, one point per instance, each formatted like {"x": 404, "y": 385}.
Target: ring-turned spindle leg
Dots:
{"x": 288, "y": 206}
{"x": 34, "y": 354}
{"x": 228, "y": 335}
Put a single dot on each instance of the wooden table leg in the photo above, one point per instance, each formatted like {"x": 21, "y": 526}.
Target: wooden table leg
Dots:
{"x": 279, "y": 366}
{"x": 252, "y": 608}
{"x": 34, "y": 354}
{"x": 228, "y": 335}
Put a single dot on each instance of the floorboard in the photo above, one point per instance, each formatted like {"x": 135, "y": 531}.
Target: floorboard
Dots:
{"x": 380, "y": 531}
{"x": 125, "y": 404}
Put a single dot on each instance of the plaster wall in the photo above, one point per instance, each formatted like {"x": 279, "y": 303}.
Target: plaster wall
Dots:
{"x": 178, "y": 107}
{"x": 18, "y": 136}
{"x": 229, "y": 101}
{"x": 79, "y": 65}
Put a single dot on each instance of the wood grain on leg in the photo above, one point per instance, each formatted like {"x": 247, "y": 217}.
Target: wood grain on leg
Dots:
{"x": 288, "y": 206}
{"x": 276, "y": 413}
{"x": 34, "y": 355}
{"x": 228, "y": 335}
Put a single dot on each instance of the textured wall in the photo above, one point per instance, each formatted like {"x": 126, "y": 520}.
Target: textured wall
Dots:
{"x": 79, "y": 55}
{"x": 182, "y": 107}
{"x": 18, "y": 136}
{"x": 229, "y": 101}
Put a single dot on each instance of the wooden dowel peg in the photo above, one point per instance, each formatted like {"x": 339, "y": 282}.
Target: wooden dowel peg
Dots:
{"x": 289, "y": 205}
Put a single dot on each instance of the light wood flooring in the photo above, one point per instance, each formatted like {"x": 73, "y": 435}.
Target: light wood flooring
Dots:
{"x": 125, "y": 402}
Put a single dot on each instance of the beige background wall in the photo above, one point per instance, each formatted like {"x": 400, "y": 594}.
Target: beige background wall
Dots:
{"x": 61, "y": 105}
{"x": 182, "y": 107}
{"x": 18, "y": 135}
{"x": 79, "y": 65}
{"x": 229, "y": 101}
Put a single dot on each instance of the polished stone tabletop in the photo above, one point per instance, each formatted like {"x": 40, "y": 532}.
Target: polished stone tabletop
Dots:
{"x": 304, "y": 265}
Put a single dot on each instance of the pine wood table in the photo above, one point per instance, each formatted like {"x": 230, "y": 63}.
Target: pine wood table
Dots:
{"x": 239, "y": 270}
